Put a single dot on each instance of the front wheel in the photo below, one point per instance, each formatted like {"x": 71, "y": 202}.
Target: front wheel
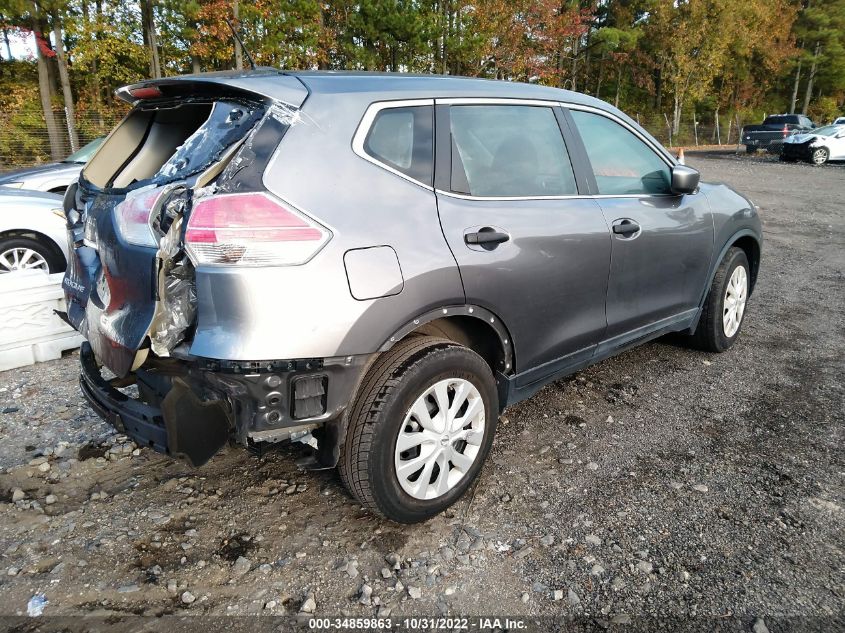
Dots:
{"x": 724, "y": 309}
{"x": 820, "y": 156}
{"x": 24, "y": 253}
{"x": 420, "y": 429}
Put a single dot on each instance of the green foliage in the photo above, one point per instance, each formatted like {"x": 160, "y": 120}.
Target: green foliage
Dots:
{"x": 825, "y": 110}
{"x": 660, "y": 59}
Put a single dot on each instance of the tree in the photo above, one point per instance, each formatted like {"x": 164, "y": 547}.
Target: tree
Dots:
{"x": 64, "y": 76}
{"x": 821, "y": 28}
{"x": 148, "y": 28}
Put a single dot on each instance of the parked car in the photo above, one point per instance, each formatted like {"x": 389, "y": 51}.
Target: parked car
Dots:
{"x": 52, "y": 177}
{"x": 819, "y": 146}
{"x": 774, "y": 129}
{"x": 33, "y": 231}
{"x": 839, "y": 121}
{"x": 275, "y": 256}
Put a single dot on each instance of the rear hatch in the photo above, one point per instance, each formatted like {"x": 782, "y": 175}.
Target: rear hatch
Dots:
{"x": 129, "y": 284}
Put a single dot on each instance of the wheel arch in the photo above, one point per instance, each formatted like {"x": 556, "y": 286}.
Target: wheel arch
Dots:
{"x": 475, "y": 327}
{"x": 749, "y": 242}
{"x": 46, "y": 240}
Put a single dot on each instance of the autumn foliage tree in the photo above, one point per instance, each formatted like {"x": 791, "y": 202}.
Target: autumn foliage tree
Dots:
{"x": 671, "y": 59}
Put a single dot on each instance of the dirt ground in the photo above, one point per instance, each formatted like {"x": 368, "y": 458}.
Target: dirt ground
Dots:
{"x": 664, "y": 483}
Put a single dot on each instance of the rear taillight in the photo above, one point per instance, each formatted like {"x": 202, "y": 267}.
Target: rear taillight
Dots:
{"x": 785, "y": 131}
{"x": 146, "y": 92}
{"x": 251, "y": 229}
{"x": 133, "y": 216}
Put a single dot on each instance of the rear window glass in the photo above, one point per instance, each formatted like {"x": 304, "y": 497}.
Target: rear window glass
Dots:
{"x": 402, "y": 138}
{"x": 780, "y": 120}
{"x": 227, "y": 123}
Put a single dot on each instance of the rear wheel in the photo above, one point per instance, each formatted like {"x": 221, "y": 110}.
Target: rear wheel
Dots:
{"x": 750, "y": 150}
{"x": 724, "y": 309}
{"x": 820, "y": 156}
{"x": 24, "y": 253}
{"x": 420, "y": 429}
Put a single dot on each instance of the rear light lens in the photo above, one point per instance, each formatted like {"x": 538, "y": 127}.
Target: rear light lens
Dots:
{"x": 134, "y": 214}
{"x": 146, "y": 92}
{"x": 251, "y": 229}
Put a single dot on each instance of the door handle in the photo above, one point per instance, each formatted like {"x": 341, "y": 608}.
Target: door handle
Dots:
{"x": 626, "y": 227}
{"x": 486, "y": 237}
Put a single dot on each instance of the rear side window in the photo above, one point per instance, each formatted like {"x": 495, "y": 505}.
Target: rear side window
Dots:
{"x": 509, "y": 151}
{"x": 403, "y": 139}
{"x": 622, "y": 163}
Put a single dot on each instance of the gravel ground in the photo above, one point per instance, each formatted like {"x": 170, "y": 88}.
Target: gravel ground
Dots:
{"x": 663, "y": 483}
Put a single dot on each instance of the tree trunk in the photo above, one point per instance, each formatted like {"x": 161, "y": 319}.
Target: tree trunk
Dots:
{"x": 6, "y": 38}
{"x": 810, "y": 79}
{"x": 600, "y": 75}
{"x": 618, "y": 84}
{"x": 658, "y": 89}
{"x": 195, "y": 64}
{"x": 67, "y": 93}
{"x": 676, "y": 113}
{"x": 53, "y": 133}
{"x": 150, "y": 39}
{"x": 444, "y": 59}
{"x": 795, "y": 87}
{"x": 239, "y": 53}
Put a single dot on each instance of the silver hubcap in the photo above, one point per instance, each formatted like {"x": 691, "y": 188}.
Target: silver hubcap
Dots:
{"x": 733, "y": 306}
{"x": 440, "y": 438}
{"x": 22, "y": 259}
{"x": 819, "y": 156}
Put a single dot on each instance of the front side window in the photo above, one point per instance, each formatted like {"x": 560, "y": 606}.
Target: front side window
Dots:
{"x": 509, "y": 151}
{"x": 622, "y": 163}
{"x": 402, "y": 138}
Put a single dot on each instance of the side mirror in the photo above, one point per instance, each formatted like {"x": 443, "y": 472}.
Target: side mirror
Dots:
{"x": 684, "y": 179}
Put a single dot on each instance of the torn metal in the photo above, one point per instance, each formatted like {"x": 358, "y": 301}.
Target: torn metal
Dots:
{"x": 177, "y": 305}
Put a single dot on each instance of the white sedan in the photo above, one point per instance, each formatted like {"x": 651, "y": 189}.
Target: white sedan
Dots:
{"x": 819, "y": 146}
{"x": 52, "y": 177}
{"x": 33, "y": 233}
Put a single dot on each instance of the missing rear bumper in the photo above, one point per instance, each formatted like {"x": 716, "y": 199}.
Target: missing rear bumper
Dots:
{"x": 183, "y": 426}
{"x": 186, "y": 410}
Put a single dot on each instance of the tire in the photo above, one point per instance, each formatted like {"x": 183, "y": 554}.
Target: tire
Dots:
{"x": 750, "y": 150}
{"x": 820, "y": 156}
{"x": 786, "y": 159}
{"x": 712, "y": 334}
{"x": 398, "y": 380}
{"x": 24, "y": 253}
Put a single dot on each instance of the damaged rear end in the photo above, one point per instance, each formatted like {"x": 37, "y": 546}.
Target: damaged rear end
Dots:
{"x": 178, "y": 186}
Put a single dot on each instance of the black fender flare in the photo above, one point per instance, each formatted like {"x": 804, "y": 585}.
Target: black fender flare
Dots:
{"x": 466, "y": 310}
{"x": 718, "y": 260}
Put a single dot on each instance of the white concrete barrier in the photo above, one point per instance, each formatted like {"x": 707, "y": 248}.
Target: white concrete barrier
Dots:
{"x": 29, "y": 331}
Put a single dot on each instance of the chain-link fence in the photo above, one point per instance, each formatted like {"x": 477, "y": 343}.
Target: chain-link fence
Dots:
{"x": 24, "y": 140}
{"x": 693, "y": 131}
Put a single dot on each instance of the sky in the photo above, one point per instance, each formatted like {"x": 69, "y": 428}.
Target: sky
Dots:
{"x": 22, "y": 45}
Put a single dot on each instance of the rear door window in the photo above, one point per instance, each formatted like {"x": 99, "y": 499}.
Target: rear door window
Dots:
{"x": 509, "y": 151}
{"x": 622, "y": 163}
{"x": 403, "y": 140}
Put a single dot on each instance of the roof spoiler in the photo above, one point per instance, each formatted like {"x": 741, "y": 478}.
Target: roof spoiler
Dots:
{"x": 265, "y": 83}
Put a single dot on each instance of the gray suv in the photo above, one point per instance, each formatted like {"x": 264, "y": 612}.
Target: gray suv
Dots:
{"x": 376, "y": 265}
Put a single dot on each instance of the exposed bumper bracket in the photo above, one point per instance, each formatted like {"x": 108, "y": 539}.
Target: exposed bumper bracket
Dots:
{"x": 185, "y": 426}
